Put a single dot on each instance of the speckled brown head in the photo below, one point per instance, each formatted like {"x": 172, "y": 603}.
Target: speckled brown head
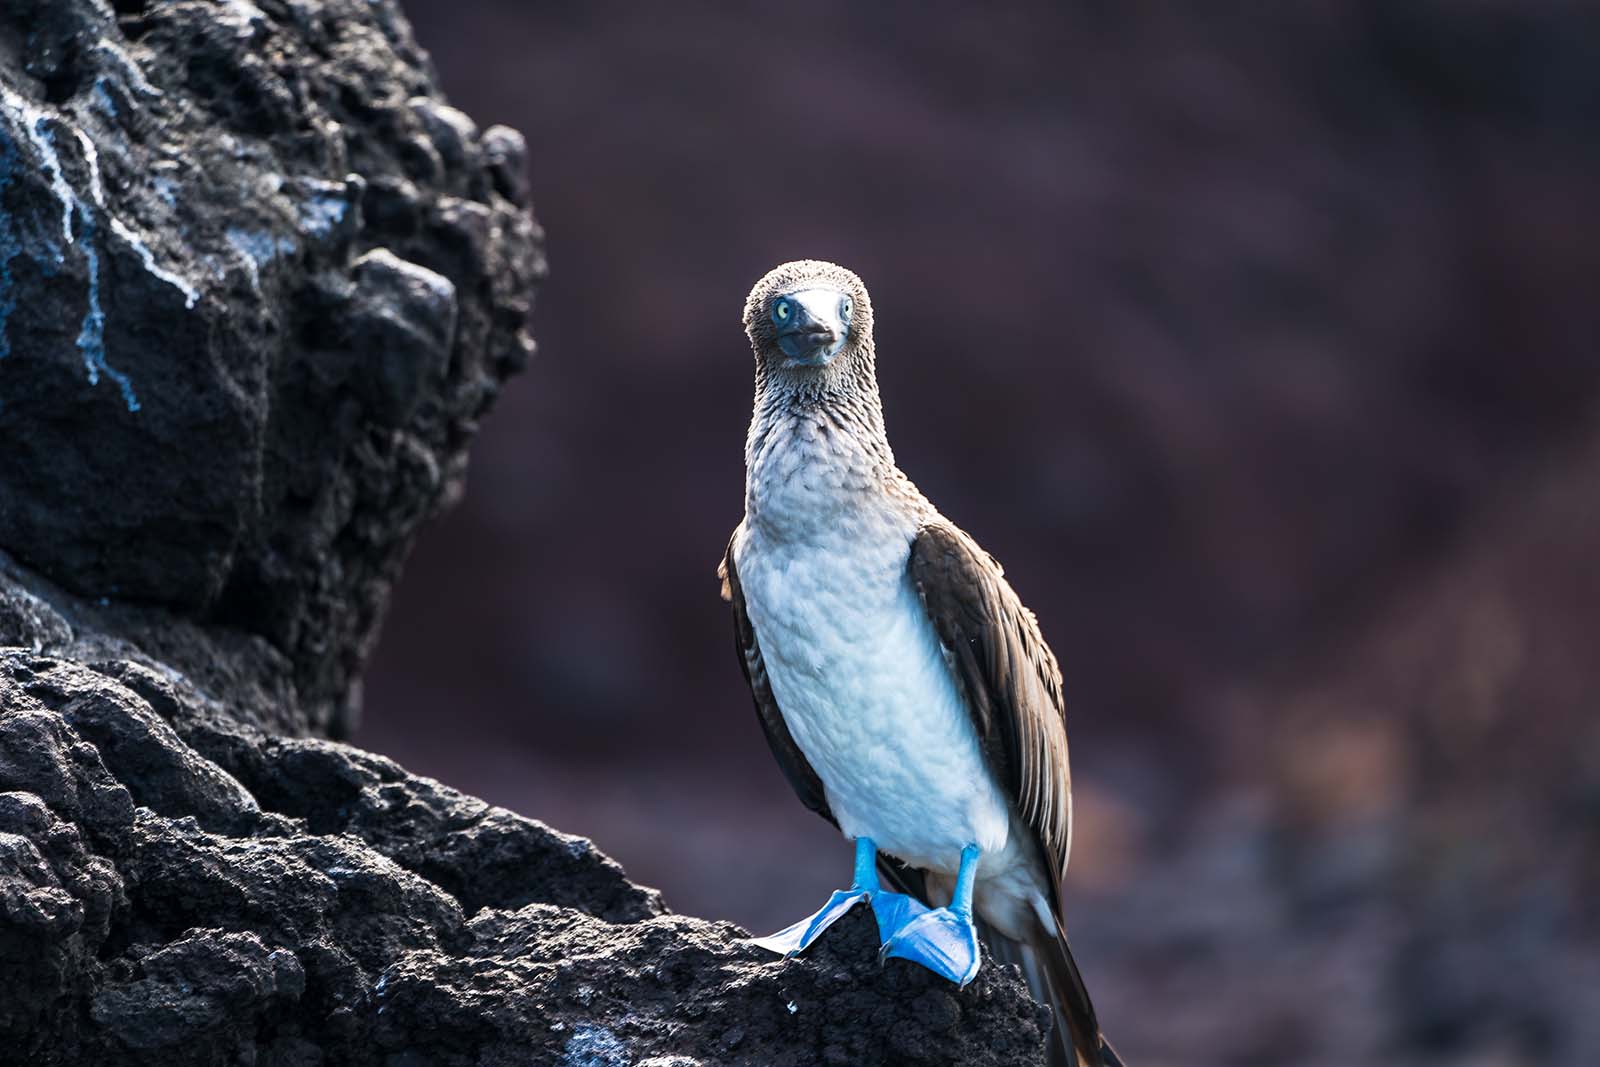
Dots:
{"x": 810, "y": 325}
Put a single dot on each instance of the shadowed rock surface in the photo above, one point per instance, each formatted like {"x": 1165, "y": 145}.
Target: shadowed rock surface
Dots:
{"x": 257, "y": 284}
{"x": 179, "y": 886}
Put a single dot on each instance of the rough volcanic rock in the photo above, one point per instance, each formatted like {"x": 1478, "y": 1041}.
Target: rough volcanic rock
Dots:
{"x": 257, "y": 282}
{"x": 180, "y": 887}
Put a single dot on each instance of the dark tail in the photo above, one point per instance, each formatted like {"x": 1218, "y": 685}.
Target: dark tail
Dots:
{"x": 1047, "y": 964}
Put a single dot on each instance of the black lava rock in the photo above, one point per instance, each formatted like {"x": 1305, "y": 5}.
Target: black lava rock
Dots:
{"x": 257, "y": 285}
{"x": 178, "y": 886}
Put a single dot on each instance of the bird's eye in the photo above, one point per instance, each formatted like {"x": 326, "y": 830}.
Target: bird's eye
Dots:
{"x": 781, "y": 310}
{"x": 845, "y": 307}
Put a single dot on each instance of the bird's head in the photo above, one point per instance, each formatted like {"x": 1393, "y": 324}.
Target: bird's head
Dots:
{"x": 808, "y": 320}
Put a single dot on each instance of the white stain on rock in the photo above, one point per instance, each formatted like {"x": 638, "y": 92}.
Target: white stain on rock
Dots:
{"x": 258, "y": 248}
{"x": 594, "y": 1046}
{"x": 82, "y": 214}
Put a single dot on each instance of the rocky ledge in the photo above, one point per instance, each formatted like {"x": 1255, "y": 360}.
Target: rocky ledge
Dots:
{"x": 258, "y": 283}
{"x": 181, "y": 887}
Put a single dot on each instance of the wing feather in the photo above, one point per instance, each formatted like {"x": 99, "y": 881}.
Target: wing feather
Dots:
{"x": 1008, "y": 675}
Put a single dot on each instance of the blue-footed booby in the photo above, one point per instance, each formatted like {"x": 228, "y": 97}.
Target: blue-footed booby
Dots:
{"x": 904, "y": 689}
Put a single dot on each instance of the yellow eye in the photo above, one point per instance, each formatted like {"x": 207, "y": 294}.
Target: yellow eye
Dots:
{"x": 780, "y": 310}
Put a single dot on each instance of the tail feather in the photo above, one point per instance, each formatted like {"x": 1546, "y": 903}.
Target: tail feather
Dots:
{"x": 1052, "y": 975}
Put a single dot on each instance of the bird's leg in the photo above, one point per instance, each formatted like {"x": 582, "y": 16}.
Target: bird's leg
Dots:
{"x": 865, "y": 875}
{"x": 944, "y": 939}
{"x": 892, "y": 909}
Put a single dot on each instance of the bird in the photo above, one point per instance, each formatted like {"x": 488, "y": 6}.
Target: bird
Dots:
{"x": 907, "y": 694}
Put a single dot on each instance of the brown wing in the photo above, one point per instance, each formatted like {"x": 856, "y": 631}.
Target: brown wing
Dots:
{"x": 807, "y": 786}
{"x": 1008, "y": 675}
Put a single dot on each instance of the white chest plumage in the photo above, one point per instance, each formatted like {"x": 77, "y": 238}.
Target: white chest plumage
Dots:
{"x": 855, "y": 665}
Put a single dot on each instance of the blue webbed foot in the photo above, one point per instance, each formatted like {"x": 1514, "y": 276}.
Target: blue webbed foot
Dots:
{"x": 894, "y": 910}
{"x": 797, "y": 938}
{"x": 942, "y": 940}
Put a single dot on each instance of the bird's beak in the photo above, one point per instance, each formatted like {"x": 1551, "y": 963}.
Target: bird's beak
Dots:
{"x": 815, "y": 335}
{"x": 809, "y": 343}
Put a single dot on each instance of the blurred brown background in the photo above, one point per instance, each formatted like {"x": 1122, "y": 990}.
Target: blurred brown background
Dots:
{"x": 1262, "y": 347}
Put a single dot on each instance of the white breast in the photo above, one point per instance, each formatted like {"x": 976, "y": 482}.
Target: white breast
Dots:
{"x": 861, "y": 680}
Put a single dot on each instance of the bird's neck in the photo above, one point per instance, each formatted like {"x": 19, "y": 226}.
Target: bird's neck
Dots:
{"x": 811, "y": 453}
